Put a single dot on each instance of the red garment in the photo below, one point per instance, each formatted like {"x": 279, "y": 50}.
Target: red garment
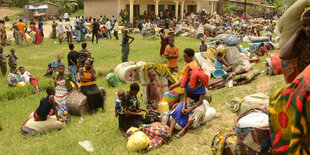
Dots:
{"x": 164, "y": 43}
{"x": 263, "y": 50}
{"x": 197, "y": 74}
{"x": 39, "y": 38}
{"x": 33, "y": 81}
{"x": 38, "y": 118}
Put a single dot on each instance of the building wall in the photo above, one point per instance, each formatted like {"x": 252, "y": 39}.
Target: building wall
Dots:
{"x": 95, "y": 8}
{"x": 52, "y": 9}
{"x": 143, "y": 4}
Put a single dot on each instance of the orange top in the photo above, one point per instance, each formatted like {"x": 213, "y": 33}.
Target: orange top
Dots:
{"x": 21, "y": 27}
{"x": 173, "y": 62}
{"x": 85, "y": 74}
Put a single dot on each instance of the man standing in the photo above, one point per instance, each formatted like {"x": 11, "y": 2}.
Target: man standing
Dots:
{"x": 21, "y": 30}
{"x": 95, "y": 30}
{"x": 108, "y": 27}
{"x": 116, "y": 29}
{"x": 60, "y": 30}
{"x": 69, "y": 29}
{"x": 41, "y": 27}
{"x": 113, "y": 21}
{"x": 73, "y": 65}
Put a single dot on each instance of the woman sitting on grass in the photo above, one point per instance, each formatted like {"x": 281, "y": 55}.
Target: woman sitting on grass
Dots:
{"x": 192, "y": 108}
{"x": 87, "y": 76}
{"x": 63, "y": 85}
{"x": 129, "y": 114}
{"x": 25, "y": 76}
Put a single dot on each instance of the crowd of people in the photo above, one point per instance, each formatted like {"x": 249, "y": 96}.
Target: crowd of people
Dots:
{"x": 187, "y": 112}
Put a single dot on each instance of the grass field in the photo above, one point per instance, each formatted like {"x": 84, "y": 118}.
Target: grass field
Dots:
{"x": 102, "y": 128}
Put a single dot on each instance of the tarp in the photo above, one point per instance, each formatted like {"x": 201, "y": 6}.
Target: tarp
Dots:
{"x": 40, "y": 7}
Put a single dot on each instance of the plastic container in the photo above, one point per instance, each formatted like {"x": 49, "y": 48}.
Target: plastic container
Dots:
{"x": 165, "y": 118}
{"x": 163, "y": 107}
{"x": 219, "y": 73}
{"x": 21, "y": 84}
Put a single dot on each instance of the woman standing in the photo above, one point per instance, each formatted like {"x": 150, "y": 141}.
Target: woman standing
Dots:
{"x": 63, "y": 85}
{"x": 125, "y": 45}
{"x": 38, "y": 38}
{"x": 164, "y": 41}
{"x": 2, "y": 33}
{"x": 78, "y": 32}
{"x": 87, "y": 77}
{"x": 192, "y": 110}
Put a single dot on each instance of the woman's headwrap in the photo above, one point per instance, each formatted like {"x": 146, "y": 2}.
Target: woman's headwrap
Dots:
{"x": 305, "y": 10}
{"x": 197, "y": 74}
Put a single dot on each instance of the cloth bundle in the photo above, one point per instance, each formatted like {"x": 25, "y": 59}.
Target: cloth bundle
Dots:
{"x": 197, "y": 74}
{"x": 212, "y": 52}
{"x": 244, "y": 75}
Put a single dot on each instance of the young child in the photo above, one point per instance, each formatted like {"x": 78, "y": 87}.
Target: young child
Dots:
{"x": 54, "y": 29}
{"x": 49, "y": 70}
{"x": 3, "y": 62}
{"x": 203, "y": 46}
{"x": 152, "y": 91}
{"x": 47, "y": 107}
{"x": 262, "y": 49}
{"x": 12, "y": 60}
{"x": 120, "y": 96}
{"x": 172, "y": 54}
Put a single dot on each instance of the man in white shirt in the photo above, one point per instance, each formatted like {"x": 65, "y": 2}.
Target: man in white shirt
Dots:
{"x": 148, "y": 28}
{"x": 144, "y": 30}
{"x": 116, "y": 29}
{"x": 60, "y": 30}
{"x": 108, "y": 26}
{"x": 68, "y": 30}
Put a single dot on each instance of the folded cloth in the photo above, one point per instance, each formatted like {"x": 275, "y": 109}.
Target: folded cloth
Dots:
{"x": 197, "y": 74}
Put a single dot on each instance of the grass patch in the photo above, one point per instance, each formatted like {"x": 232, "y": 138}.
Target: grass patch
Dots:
{"x": 102, "y": 128}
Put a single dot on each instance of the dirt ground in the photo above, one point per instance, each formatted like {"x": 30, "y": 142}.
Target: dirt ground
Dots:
{"x": 7, "y": 12}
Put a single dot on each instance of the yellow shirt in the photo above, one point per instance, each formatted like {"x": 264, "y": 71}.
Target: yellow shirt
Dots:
{"x": 184, "y": 69}
{"x": 86, "y": 74}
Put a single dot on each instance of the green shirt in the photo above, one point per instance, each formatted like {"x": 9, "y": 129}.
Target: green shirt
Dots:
{"x": 68, "y": 78}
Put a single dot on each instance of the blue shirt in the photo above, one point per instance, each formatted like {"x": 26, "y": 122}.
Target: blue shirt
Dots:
{"x": 117, "y": 103}
{"x": 55, "y": 64}
{"x": 40, "y": 25}
{"x": 217, "y": 64}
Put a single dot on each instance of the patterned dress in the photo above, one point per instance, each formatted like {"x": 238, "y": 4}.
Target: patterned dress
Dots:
{"x": 2, "y": 35}
{"x": 289, "y": 118}
{"x": 61, "y": 92}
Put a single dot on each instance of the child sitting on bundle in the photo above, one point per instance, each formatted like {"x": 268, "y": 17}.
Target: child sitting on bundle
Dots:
{"x": 120, "y": 96}
{"x": 47, "y": 107}
{"x": 152, "y": 92}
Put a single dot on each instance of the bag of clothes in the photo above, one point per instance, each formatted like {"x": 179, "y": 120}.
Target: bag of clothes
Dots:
{"x": 137, "y": 140}
{"x": 113, "y": 79}
{"x": 77, "y": 103}
{"x": 158, "y": 134}
{"x": 225, "y": 142}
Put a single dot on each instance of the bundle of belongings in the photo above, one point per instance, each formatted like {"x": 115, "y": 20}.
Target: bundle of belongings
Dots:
{"x": 148, "y": 138}
{"x": 244, "y": 75}
{"x": 77, "y": 102}
{"x": 251, "y": 134}
{"x": 32, "y": 127}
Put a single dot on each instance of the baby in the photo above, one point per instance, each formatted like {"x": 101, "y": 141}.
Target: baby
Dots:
{"x": 120, "y": 96}
{"x": 49, "y": 70}
{"x": 152, "y": 91}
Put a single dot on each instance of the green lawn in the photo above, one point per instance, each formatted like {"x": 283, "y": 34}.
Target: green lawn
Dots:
{"x": 102, "y": 128}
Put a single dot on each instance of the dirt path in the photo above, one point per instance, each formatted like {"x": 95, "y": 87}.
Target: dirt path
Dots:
{"x": 7, "y": 12}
